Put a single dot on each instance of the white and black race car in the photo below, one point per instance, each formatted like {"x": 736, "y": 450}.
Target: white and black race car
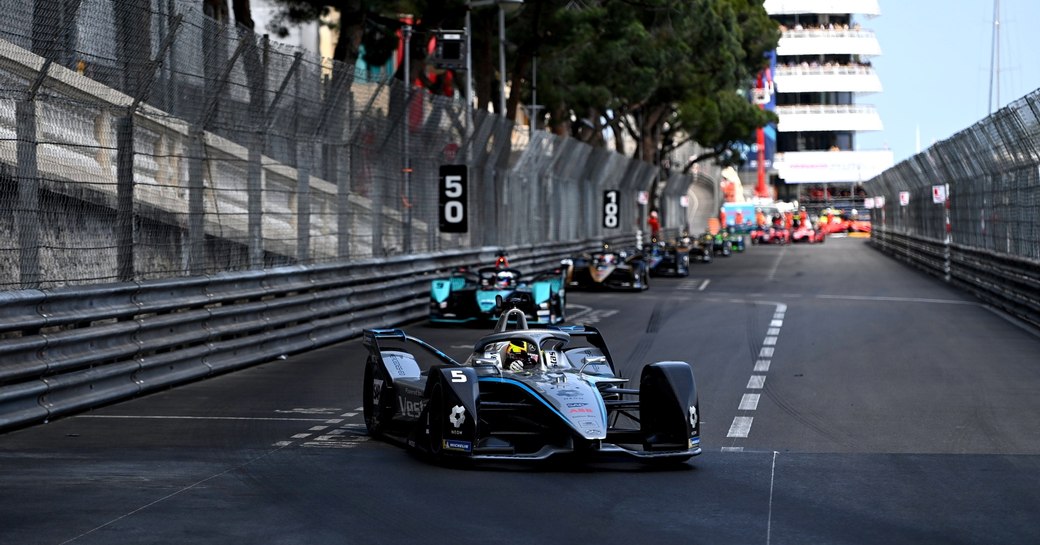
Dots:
{"x": 565, "y": 398}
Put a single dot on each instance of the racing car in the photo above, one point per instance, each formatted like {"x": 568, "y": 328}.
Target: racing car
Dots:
{"x": 669, "y": 258}
{"x": 609, "y": 268}
{"x": 806, "y": 233}
{"x": 468, "y": 296}
{"x": 527, "y": 394}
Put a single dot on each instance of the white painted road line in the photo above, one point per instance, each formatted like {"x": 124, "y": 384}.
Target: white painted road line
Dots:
{"x": 769, "y": 341}
{"x": 776, "y": 323}
{"x": 704, "y": 285}
{"x": 761, "y": 366}
{"x": 749, "y": 402}
{"x": 766, "y": 352}
{"x": 773, "y": 331}
{"x": 756, "y": 382}
{"x": 147, "y": 417}
{"x": 741, "y": 426}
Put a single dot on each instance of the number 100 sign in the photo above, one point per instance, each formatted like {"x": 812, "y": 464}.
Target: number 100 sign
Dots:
{"x": 610, "y": 208}
{"x": 452, "y": 190}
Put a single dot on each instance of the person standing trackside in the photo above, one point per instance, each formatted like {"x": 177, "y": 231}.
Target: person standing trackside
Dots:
{"x": 655, "y": 225}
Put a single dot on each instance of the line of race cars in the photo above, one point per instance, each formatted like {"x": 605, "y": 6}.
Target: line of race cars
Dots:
{"x": 477, "y": 296}
{"x": 534, "y": 388}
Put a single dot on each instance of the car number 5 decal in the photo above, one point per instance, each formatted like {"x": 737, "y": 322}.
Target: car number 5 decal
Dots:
{"x": 458, "y": 375}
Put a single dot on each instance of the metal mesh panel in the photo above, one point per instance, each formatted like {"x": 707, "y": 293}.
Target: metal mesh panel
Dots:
{"x": 993, "y": 173}
{"x": 140, "y": 139}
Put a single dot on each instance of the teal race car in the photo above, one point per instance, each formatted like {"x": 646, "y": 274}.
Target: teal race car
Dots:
{"x": 466, "y": 296}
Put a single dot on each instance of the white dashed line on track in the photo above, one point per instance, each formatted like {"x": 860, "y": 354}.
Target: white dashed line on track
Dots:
{"x": 741, "y": 426}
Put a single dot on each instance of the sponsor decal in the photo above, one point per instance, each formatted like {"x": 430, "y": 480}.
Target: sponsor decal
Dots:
{"x": 568, "y": 393}
{"x": 576, "y": 404}
{"x": 411, "y": 408}
{"x": 693, "y": 416}
{"x": 457, "y": 416}
{"x": 585, "y": 410}
{"x": 455, "y": 444}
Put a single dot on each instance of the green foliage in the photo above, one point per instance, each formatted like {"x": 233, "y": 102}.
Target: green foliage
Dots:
{"x": 666, "y": 71}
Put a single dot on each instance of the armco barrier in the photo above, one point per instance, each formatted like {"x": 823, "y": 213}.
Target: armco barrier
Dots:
{"x": 1007, "y": 282}
{"x": 70, "y": 349}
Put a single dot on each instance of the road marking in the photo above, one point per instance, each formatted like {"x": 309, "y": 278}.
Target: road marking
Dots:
{"x": 174, "y": 417}
{"x": 319, "y": 428}
{"x": 749, "y": 402}
{"x": 694, "y": 284}
{"x": 772, "y": 480}
{"x": 301, "y": 436}
{"x": 898, "y": 299}
{"x": 776, "y": 265}
{"x": 594, "y": 316}
{"x": 732, "y": 449}
{"x": 310, "y": 410}
{"x": 741, "y": 426}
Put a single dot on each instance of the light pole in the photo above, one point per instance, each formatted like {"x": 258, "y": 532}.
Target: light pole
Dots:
{"x": 502, "y": 6}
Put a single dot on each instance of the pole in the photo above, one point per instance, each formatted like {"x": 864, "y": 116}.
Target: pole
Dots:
{"x": 469, "y": 86}
{"x": 406, "y": 169}
{"x": 501, "y": 61}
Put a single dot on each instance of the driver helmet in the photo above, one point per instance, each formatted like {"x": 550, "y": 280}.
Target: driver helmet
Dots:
{"x": 523, "y": 352}
{"x": 505, "y": 279}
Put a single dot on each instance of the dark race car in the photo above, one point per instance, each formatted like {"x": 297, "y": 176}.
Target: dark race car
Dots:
{"x": 610, "y": 268}
{"x": 467, "y": 296}
{"x": 720, "y": 243}
{"x": 669, "y": 258}
{"x": 527, "y": 394}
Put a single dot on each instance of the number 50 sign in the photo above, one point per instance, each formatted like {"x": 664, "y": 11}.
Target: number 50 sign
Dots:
{"x": 452, "y": 189}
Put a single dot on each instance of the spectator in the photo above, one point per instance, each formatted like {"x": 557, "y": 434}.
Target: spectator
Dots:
{"x": 655, "y": 225}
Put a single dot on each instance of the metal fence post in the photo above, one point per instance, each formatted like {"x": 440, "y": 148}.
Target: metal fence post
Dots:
{"x": 125, "y": 197}
{"x": 27, "y": 217}
{"x": 196, "y": 251}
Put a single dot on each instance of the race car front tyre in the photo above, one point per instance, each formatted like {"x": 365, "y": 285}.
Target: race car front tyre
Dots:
{"x": 377, "y": 399}
{"x": 435, "y": 420}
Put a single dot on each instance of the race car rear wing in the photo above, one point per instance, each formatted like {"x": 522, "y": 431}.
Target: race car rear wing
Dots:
{"x": 373, "y": 336}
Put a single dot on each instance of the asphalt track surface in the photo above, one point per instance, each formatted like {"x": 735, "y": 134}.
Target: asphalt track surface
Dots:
{"x": 889, "y": 408}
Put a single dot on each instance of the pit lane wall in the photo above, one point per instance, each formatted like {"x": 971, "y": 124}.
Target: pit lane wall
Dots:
{"x": 967, "y": 209}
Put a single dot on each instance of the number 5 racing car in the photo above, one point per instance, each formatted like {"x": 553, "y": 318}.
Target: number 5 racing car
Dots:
{"x": 527, "y": 394}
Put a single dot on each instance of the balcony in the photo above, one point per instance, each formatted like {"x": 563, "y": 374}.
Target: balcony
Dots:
{"x": 821, "y": 79}
{"x": 803, "y": 167}
{"x": 812, "y": 118}
{"x": 797, "y": 7}
{"x": 825, "y": 41}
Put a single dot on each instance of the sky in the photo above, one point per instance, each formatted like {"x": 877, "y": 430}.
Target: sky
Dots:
{"x": 936, "y": 64}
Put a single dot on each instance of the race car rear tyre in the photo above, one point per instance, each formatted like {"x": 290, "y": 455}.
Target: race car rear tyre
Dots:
{"x": 377, "y": 398}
